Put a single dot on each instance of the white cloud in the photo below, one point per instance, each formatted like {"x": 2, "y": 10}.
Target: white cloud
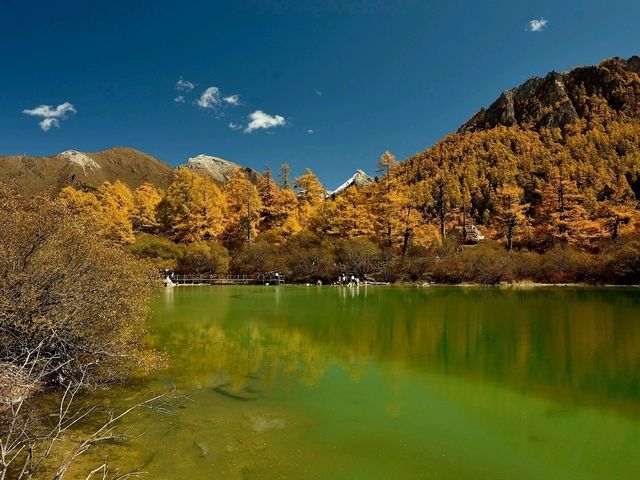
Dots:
{"x": 184, "y": 85}
{"x": 179, "y": 99}
{"x": 232, "y": 99}
{"x": 317, "y": 92}
{"x": 51, "y": 116}
{"x": 47, "y": 123}
{"x": 260, "y": 119}
{"x": 210, "y": 98}
{"x": 537, "y": 25}
{"x": 234, "y": 126}
{"x": 311, "y": 131}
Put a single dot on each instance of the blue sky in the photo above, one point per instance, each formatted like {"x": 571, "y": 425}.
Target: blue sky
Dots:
{"x": 336, "y": 83}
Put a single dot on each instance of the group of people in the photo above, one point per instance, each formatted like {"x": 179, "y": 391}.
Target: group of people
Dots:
{"x": 352, "y": 281}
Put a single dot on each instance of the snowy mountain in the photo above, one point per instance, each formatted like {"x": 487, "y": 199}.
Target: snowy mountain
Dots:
{"x": 79, "y": 159}
{"x": 219, "y": 169}
{"x": 359, "y": 179}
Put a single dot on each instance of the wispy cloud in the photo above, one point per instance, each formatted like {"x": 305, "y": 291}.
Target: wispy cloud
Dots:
{"x": 234, "y": 126}
{"x": 537, "y": 25}
{"x": 184, "y": 85}
{"x": 261, "y": 120}
{"x": 50, "y": 116}
{"x": 232, "y": 99}
{"x": 210, "y": 98}
{"x": 317, "y": 92}
{"x": 179, "y": 99}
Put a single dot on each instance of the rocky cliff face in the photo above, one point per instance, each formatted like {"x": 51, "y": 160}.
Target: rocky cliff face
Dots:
{"x": 562, "y": 98}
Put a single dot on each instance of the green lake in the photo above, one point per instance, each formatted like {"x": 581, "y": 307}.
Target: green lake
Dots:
{"x": 391, "y": 383}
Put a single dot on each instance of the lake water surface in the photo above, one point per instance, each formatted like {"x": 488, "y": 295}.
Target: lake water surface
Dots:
{"x": 392, "y": 383}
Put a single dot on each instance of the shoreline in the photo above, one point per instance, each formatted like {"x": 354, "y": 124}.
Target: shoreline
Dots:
{"x": 513, "y": 285}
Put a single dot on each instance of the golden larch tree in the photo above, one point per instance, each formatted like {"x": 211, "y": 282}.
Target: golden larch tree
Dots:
{"x": 193, "y": 208}
{"x": 510, "y": 211}
{"x": 146, "y": 199}
{"x": 243, "y": 208}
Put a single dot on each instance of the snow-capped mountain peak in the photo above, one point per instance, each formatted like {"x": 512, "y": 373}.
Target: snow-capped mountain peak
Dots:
{"x": 358, "y": 179}
{"x": 79, "y": 159}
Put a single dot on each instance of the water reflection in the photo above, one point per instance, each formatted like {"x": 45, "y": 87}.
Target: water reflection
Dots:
{"x": 577, "y": 346}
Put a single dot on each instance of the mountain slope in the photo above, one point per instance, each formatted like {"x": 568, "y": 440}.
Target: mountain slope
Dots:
{"x": 566, "y": 148}
{"x": 33, "y": 175}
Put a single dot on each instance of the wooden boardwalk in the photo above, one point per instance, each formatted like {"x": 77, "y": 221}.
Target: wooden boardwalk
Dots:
{"x": 204, "y": 279}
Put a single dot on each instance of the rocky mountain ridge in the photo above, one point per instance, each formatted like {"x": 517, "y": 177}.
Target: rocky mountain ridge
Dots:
{"x": 559, "y": 99}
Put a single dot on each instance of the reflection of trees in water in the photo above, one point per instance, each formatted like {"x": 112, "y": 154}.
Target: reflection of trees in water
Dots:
{"x": 234, "y": 357}
{"x": 578, "y": 345}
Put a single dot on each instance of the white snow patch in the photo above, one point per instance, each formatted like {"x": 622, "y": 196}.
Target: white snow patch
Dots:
{"x": 219, "y": 168}
{"x": 359, "y": 178}
{"x": 79, "y": 159}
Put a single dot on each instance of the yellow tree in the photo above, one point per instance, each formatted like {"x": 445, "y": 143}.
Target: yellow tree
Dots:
{"x": 618, "y": 209}
{"x": 386, "y": 163}
{"x": 243, "y": 207}
{"x": 193, "y": 207}
{"x": 310, "y": 195}
{"x": 146, "y": 199}
{"x": 81, "y": 203}
{"x": 381, "y": 194}
{"x": 405, "y": 213}
{"x": 562, "y": 213}
{"x": 353, "y": 217}
{"x": 510, "y": 211}
{"x": 285, "y": 174}
{"x": 278, "y": 205}
{"x": 116, "y": 205}
{"x": 616, "y": 216}
{"x": 445, "y": 194}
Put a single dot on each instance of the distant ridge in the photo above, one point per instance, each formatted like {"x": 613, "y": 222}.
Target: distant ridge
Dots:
{"x": 218, "y": 169}
{"x": 48, "y": 174}
{"x": 87, "y": 171}
{"x": 358, "y": 179}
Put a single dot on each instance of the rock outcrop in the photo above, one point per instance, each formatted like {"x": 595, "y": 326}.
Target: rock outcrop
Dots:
{"x": 559, "y": 99}
{"x": 218, "y": 169}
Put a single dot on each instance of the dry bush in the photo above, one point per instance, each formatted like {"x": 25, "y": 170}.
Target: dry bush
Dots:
{"x": 80, "y": 302}
{"x": 73, "y": 312}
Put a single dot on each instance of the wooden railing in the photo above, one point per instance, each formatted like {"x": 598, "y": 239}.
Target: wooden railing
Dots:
{"x": 218, "y": 279}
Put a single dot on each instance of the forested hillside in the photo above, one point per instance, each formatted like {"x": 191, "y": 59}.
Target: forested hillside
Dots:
{"x": 554, "y": 159}
{"x": 547, "y": 178}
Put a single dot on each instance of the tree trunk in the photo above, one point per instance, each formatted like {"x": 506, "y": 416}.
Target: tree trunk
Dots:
{"x": 405, "y": 242}
{"x": 442, "y": 208}
{"x": 464, "y": 223}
